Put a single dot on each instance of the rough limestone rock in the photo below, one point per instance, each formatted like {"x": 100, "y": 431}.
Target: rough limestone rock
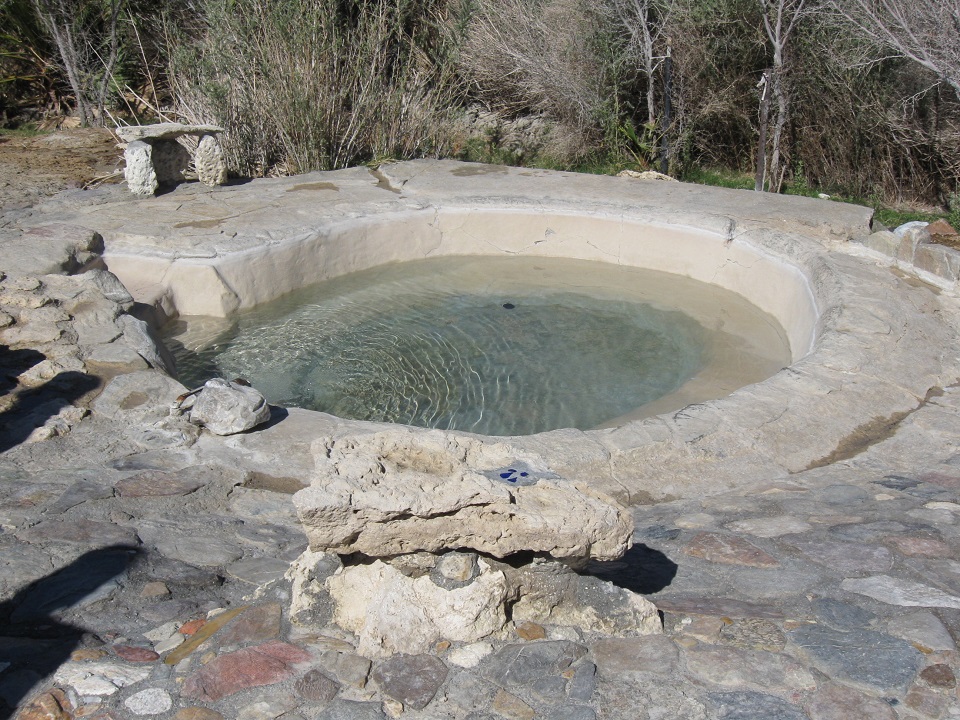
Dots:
{"x": 310, "y": 600}
{"x": 551, "y": 593}
{"x": 170, "y": 160}
{"x": 393, "y": 613}
{"x": 645, "y": 175}
{"x": 915, "y": 227}
{"x": 399, "y": 491}
{"x": 76, "y": 329}
{"x": 227, "y": 408}
{"x": 52, "y": 419}
{"x": 139, "y": 398}
{"x": 52, "y": 248}
{"x": 139, "y": 336}
{"x": 139, "y": 172}
{"x": 210, "y": 161}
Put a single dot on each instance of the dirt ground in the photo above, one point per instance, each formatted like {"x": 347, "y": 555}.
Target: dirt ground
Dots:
{"x": 32, "y": 168}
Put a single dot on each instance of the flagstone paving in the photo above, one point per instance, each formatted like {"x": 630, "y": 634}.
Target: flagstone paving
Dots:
{"x": 833, "y": 594}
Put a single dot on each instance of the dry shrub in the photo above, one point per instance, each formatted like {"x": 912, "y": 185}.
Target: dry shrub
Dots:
{"x": 315, "y": 84}
{"x": 543, "y": 57}
{"x": 861, "y": 124}
{"x": 884, "y": 129}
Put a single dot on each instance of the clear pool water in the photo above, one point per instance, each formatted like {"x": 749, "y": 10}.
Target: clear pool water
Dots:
{"x": 501, "y": 346}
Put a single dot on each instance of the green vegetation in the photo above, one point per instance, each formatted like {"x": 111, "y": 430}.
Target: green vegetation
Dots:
{"x": 25, "y": 130}
{"x": 719, "y": 177}
{"x": 893, "y": 217}
{"x": 569, "y": 84}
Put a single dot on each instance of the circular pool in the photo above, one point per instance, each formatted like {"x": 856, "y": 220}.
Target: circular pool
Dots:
{"x": 499, "y": 346}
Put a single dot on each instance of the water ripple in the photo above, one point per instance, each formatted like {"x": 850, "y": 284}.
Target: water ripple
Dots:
{"x": 452, "y": 358}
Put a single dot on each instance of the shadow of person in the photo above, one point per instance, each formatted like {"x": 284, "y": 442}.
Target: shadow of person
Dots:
{"x": 34, "y": 638}
{"x": 32, "y": 407}
{"x": 14, "y": 363}
{"x": 641, "y": 570}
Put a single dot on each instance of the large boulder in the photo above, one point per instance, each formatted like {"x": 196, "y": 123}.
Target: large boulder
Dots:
{"x": 398, "y": 491}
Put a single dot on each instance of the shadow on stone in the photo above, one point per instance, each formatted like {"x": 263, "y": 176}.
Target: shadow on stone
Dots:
{"x": 33, "y": 406}
{"x": 277, "y": 416}
{"x": 34, "y": 641}
{"x": 641, "y": 570}
{"x": 15, "y": 362}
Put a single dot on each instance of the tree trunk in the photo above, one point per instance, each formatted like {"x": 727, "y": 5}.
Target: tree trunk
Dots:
{"x": 648, "y": 65}
{"x": 782, "y": 100}
{"x": 111, "y": 60}
{"x": 85, "y": 52}
{"x": 54, "y": 18}
{"x": 760, "y": 178}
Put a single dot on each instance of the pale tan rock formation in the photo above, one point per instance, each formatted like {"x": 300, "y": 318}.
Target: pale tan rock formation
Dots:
{"x": 645, "y": 175}
{"x": 210, "y": 161}
{"x": 403, "y": 491}
{"x": 393, "y": 613}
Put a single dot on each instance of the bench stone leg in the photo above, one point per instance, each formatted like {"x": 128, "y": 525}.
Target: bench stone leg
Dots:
{"x": 210, "y": 162}
{"x": 139, "y": 173}
{"x": 170, "y": 159}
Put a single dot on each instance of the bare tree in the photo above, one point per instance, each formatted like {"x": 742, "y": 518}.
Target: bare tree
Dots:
{"x": 925, "y": 31}
{"x": 780, "y": 19}
{"x": 86, "y": 35}
{"x": 645, "y": 22}
{"x": 523, "y": 55}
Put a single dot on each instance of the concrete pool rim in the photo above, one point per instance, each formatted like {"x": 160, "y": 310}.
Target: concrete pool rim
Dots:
{"x": 867, "y": 343}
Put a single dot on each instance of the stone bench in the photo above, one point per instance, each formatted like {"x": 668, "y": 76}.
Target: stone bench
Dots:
{"x": 154, "y": 156}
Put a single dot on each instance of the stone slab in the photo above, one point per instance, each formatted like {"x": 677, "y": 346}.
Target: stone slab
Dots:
{"x": 411, "y": 679}
{"x": 257, "y": 666}
{"x": 748, "y": 705}
{"x": 844, "y": 557}
{"x": 401, "y": 491}
{"x": 842, "y": 616}
{"x": 898, "y": 591}
{"x": 837, "y": 702}
{"x": 651, "y": 654}
{"x": 735, "y": 668}
{"x": 154, "y": 483}
{"x": 873, "y": 660}
{"x": 729, "y": 550}
{"x": 164, "y": 131}
{"x": 924, "y": 630}
{"x": 517, "y": 665}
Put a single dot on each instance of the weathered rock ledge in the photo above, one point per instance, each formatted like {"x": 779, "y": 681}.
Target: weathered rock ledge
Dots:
{"x": 404, "y": 528}
{"x": 403, "y": 491}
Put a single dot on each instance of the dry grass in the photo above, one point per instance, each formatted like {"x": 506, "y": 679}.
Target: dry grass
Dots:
{"x": 315, "y": 85}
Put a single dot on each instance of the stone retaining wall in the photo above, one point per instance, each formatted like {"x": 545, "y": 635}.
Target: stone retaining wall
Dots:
{"x": 913, "y": 248}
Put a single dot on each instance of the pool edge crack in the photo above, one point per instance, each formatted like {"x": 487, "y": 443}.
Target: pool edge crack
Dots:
{"x": 873, "y": 432}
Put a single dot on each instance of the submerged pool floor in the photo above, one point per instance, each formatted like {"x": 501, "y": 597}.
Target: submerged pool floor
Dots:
{"x": 499, "y": 346}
